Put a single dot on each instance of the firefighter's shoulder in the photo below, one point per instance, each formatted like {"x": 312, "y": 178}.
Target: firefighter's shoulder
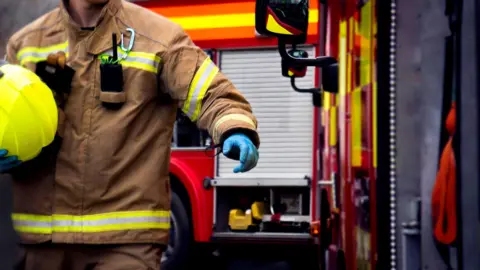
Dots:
{"x": 42, "y": 26}
{"x": 151, "y": 25}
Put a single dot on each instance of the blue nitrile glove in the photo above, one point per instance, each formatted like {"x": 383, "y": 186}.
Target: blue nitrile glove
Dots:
{"x": 240, "y": 147}
{"x": 7, "y": 163}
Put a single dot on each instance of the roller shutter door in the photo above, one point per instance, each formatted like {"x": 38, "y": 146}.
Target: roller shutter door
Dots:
{"x": 285, "y": 117}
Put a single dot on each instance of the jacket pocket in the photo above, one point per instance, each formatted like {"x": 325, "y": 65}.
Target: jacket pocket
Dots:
{"x": 111, "y": 85}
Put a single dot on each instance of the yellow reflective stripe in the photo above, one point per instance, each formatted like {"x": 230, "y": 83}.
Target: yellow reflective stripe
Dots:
{"x": 139, "y": 66}
{"x": 37, "y": 54}
{"x": 326, "y": 100}
{"x": 342, "y": 57}
{"x": 35, "y": 230}
{"x": 196, "y": 78}
{"x": 366, "y": 52}
{"x": 28, "y": 217}
{"x": 114, "y": 221}
{"x": 356, "y": 127}
{"x": 199, "y": 86}
{"x": 35, "y": 59}
{"x": 125, "y": 214}
{"x": 333, "y": 126}
{"x": 325, "y": 108}
{"x": 229, "y": 117}
{"x": 330, "y": 111}
{"x": 203, "y": 90}
{"x": 140, "y": 60}
{"x": 374, "y": 124}
{"x": 350, "y": 56}
{"x": 149, "y": 56}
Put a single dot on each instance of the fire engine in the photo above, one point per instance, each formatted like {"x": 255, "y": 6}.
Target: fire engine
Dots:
{"x": 290, "y": 196}
{"x": 278, "y": 201}
{"x": 321, "y": 153}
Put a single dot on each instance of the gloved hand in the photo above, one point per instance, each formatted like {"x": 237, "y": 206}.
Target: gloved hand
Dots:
{"x": 7, "y": 163}
{"x": 58, "y": 76}
{"x": 239, "y": 146}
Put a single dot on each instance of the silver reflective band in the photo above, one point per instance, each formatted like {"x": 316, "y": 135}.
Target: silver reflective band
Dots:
{"x": 91, "y": 223}
{"x": 133, "y": 57}
{"x": 198, "y": 88}
{"x": 39, "y": 55}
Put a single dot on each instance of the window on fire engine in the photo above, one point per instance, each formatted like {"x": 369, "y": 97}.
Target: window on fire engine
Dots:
{"x": 187, "y": 134}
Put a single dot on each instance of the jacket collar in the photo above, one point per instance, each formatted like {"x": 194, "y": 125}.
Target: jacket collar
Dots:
{"x": 100, "y": 39}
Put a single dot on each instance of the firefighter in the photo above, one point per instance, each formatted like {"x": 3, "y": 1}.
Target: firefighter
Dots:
{"x": 98, "y": 196}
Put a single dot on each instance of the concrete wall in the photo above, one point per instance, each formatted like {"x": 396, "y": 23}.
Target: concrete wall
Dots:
{"x": 422, "y": 28}
{"x": 409, "y": 118}
{"x": 14, "y": 14}
{"x": 434, "y": 25}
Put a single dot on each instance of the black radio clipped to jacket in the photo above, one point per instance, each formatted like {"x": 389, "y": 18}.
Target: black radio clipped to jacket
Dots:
{"x": 112, "y": 94}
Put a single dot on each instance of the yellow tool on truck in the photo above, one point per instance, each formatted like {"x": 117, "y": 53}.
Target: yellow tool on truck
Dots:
{"x": 28, "y": 112}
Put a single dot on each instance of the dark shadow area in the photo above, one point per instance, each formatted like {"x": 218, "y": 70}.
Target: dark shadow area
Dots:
{"x": 8, "y": 237}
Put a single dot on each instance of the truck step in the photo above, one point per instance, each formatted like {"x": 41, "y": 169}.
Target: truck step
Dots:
{"x": 288, "y": 218}
{"x": 260, "y": 182}
{"x": 262, "y": 237}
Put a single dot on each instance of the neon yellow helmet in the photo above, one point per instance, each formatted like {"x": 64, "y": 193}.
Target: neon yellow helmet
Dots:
{"x": 28, "y": 112}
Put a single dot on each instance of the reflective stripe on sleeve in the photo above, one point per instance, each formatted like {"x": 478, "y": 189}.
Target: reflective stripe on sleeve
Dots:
{"x": 115, "y": 221}
{"x": 139, "y": 60}
{"x": 38, "y": 54}
{"x": 228, "y": 117}
{"x": 199, "y": 86}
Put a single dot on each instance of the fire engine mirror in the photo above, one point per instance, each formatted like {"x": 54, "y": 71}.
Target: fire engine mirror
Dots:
{"x": 290, "y": 69}
{"x": 284, "y": 19}
{"x": 330, "y": 78}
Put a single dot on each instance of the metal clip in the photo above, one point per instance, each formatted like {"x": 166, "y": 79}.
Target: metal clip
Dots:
{"x": 130, "y": 45}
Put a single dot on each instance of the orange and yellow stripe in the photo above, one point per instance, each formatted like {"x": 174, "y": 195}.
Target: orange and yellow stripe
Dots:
{"x": 220, "y": 21}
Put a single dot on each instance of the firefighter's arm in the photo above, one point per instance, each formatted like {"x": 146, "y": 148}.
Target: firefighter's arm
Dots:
{"x": 11, "y": 53}
{"x": 205, "y": 95}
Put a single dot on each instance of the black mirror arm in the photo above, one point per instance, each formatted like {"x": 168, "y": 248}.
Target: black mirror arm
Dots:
{"x": 307, "y": 90}
{"x": 322, "y": 61}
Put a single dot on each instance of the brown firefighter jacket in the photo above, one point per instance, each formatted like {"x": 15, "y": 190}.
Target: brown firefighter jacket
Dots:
{"x": 107, "y": 181}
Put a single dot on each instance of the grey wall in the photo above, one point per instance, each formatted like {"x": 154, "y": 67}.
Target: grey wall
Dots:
{"x": 422, "y": 28}
{"x": 16, "y": 13}
{"x": 434, "y": 26}
{"x": 409, "y": 118}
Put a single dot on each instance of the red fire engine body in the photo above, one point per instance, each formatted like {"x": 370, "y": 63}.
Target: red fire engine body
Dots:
{"x": 349, "y": 155}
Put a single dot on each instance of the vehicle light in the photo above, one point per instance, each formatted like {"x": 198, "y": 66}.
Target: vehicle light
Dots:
{"x": 315, "y": 228}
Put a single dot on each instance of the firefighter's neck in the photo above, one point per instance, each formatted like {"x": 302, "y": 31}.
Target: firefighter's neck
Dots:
{"x": 84, "y": 12}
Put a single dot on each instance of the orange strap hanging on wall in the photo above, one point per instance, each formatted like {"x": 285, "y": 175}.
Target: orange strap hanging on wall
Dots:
{"x": 444, "y": 211}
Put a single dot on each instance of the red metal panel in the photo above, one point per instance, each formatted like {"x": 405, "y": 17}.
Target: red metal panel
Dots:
{"x": 349, "y": 210}
{"x": 191, "y": 167}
